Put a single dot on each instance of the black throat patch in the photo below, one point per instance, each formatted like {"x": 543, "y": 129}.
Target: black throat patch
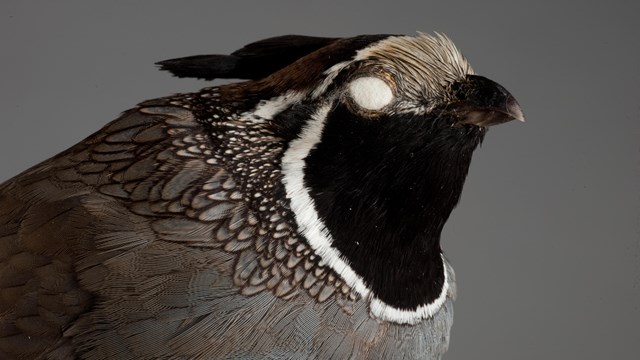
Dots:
{"x": 384, "y": 189}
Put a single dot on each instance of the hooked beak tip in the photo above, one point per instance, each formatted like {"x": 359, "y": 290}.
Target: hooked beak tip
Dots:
{"x": 514, "y": 110}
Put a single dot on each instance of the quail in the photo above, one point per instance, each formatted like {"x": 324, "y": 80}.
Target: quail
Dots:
{"x": 295, "y": 214}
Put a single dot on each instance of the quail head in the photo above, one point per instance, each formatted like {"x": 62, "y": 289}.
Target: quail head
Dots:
{"x": 293, "y": 215}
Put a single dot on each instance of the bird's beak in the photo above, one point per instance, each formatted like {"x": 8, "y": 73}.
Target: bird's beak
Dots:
{"x": 483, "y": 102}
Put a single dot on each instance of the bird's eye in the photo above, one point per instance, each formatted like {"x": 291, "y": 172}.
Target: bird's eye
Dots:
{"x": 370, "y": 93}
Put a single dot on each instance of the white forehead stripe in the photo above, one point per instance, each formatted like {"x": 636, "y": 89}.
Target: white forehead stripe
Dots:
{"x": 427, "y": 65}
{"x": 370, "y": 93}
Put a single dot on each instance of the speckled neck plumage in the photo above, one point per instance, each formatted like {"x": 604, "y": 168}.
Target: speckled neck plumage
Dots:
{"x": 388, "y": 235}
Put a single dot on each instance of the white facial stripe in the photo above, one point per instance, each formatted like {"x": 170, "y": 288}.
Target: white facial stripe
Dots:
{"x": 319, "y": 238}
{"x": 370, "y": 93}
{"x": 268, "y": 109}
{"x": 329, "y": 75}
{"x": 307, "y": 218}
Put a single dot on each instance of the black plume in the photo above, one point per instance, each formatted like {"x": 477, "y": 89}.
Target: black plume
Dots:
{"x": 254, "y": 61}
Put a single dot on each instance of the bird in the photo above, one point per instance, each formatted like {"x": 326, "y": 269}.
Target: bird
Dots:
{"x": 293, "y": 214}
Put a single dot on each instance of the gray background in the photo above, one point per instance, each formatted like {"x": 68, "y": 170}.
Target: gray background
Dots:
{"x": 545, "y": 242}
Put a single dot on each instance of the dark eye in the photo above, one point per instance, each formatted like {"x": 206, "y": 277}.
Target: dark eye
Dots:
{"x": 370, "y": 93}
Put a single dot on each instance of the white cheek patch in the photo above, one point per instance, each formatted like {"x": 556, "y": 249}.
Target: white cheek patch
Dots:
{"x": 370, "y": 93}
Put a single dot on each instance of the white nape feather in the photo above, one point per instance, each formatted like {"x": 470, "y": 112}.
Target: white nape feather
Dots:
{"x": 370, "y": 93}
